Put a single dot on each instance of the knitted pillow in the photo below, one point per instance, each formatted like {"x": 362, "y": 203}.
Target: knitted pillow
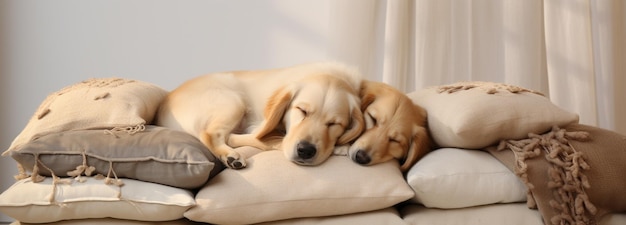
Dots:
{"x": 474, "y": 115}
{"x": 575, "y": 175}
{"x": 95, "y": 103}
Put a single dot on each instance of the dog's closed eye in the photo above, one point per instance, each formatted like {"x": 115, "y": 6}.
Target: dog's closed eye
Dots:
{"x": 370, "y": 120}
{"x": 330, "y": 124}
{"x": 302, "y": 110}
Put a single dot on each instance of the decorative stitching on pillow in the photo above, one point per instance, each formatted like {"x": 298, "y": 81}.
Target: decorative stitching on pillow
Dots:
{"x": 21, "y": 173}
{"x": 35, "y": 177}
{"x": 102, "y": 96}
{"x": 117, "y": 182}
{"x": 55, "y": 181}
{"x": 76, "y": 174}
{"x": 566, "y": 166}
{"x": 84, "y": 168}
{"x": 43, "y": 110}
{"x": 489, "y": 87}
{"x": 129, "y": 130}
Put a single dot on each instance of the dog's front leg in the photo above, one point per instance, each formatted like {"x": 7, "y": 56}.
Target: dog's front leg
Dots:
{"x": 215, "y": 140}
{"x": 239, "y": 140}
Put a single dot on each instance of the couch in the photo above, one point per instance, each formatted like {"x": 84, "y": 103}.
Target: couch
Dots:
{"x": 91, "y": 155}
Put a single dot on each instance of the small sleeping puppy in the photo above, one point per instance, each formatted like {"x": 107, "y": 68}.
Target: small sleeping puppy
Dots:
{"x": 311, "y": 107}
{"x": 395, "y": 127}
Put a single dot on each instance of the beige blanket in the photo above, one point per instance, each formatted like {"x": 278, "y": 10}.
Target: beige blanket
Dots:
{"x": 575, "y": 175}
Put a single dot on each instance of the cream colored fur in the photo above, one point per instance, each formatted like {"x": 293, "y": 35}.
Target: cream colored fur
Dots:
{"x": 311, "y": 106}
{"x": 395, "y": 127}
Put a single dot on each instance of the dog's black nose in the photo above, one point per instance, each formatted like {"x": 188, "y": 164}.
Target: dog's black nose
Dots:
{"x": 362, "y": 157}
{"x": 306, "y": 150}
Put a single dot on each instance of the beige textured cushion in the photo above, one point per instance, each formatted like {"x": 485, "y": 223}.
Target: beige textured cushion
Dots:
{"x": 474, "y": 115}
{"x": 456, "y": 178}
{"x": 273, "y": 188}
{"x": 157, "y": 154}
{"x": 46, "y": 202}
{"x": 94, "y": 103}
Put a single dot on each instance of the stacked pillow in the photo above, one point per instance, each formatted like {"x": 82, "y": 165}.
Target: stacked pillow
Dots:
{"x": 90, "y": 154}
{"x": 89, "y": 151}
{"x": 91, "y": 146}
{"x": 104, "y": 103}
{"x": 273, "y": 188}
{"x": 466, "y": 117}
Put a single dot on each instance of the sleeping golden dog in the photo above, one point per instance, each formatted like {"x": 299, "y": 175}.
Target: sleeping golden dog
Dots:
{"x": 311, "y": 107}
{"x": 395, "y": 127}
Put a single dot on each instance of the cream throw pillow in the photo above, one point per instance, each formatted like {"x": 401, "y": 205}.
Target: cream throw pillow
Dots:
{"x": 474, "y": 115}
{"x": 95, "y": 103}
{"x": 456, "y": 178}
{"x": 273, "y": 188}
{"x": 46, "y": 202}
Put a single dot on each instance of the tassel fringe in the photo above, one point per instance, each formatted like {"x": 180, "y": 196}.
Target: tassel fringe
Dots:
{"x": 567, "y": 179}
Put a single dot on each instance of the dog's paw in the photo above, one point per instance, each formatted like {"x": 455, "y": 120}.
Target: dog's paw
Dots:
{"x": 234, "y": 161}
{"x": 341, "y": 150}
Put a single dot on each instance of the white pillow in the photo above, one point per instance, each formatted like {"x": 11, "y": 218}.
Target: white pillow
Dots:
{"x": 456, "y": 178}
{"x": 475, "y": 115}
{"x": 94, "y": 103}
{"x": 273, "y": 188}
{"x": 44, "y": 202}
{"x": 496, "y": 214}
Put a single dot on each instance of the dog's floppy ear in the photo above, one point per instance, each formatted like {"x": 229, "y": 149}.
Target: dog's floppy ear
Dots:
{"x": 366, "y": 95}
{"x": 366, "y": 100}
{"x": 356, "y": 126}
{"x": 275, "y": 109}
{"x": 420, "y": 145}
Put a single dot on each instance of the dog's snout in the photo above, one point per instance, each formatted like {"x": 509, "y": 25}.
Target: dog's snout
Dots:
{"x": 306, "y": 150}
{"x": 362, "y": 157}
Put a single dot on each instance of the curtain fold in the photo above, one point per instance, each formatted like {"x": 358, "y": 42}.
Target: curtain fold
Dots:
{"x": 398, "y": 56}
{"x": 356, "y": 36}
{"x": 569, "y": 54}
{"x": 609, "y": 44}
{"x": 571, "y": 50}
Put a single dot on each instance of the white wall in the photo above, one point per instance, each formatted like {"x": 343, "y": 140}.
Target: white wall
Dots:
{"x": 46, "y": 45}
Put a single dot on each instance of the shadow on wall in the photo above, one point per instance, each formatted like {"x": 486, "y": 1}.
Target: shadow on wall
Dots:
{"x": 5, "y": 86}
{"x": 4, "y": 80}
{"x": 7, "y": 165}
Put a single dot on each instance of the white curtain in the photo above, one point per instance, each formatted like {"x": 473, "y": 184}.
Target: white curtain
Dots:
{"x": 574, "y": 51}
